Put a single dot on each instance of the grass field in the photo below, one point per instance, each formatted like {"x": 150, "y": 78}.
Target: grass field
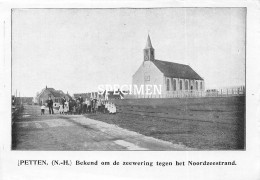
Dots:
{"x": 211, "y": 123}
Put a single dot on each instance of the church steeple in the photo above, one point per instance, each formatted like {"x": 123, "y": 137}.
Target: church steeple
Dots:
{"x": 148, "y": 43}
{"x": 148, "y": 50}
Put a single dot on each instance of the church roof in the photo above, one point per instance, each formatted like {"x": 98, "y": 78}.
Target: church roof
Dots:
{"x": 148, "y": 43}
{"x": 175, "y": 70}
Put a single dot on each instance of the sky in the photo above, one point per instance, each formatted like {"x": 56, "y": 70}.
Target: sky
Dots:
{"x": 75, "y": 50}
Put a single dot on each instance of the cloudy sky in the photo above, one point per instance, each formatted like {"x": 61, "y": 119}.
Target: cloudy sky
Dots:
{"x": 76, "y": 50}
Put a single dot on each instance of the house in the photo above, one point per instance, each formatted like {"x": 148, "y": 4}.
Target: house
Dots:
{"x": 170, "y": 77}
{"x": 56, "y": 96}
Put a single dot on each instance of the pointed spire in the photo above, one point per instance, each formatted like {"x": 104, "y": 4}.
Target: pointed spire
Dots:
{"x": 148, "y": 43}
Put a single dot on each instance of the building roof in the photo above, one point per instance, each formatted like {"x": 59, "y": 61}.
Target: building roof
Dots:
{"x": 148, "y": 43}
{"x": 55, "y": 93}
{"x": 175, "y": 70}
{"x": 50, "y": 89}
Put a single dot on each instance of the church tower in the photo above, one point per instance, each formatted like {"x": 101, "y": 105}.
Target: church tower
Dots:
{"x": 148, "y": 50}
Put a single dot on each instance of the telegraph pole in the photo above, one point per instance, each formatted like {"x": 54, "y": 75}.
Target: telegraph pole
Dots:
{"x": 19, "y": 98}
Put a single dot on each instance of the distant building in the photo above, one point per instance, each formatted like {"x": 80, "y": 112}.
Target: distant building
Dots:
{"x": 87, "y": 95}
{"x": 113, "y": 95}
{"x": 56, "y": 95}
{"x": 21, "y": 100}
{"x": 25, "y": 100}
{"x": 95, "y": 95}
{"x": 172, "y": 77}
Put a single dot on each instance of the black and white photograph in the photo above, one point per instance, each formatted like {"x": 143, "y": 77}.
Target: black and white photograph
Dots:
{"x": 129, "y": 90}
{"x": 128, "y": 79}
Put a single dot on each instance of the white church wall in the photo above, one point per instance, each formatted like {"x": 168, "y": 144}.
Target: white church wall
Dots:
{"x": 148, "y": 74}
{"x": 203, "y": 86}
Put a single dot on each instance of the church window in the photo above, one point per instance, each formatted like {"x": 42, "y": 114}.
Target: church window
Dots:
{"x": 174, "y": 85}
{"x": 180, "y": 84}
{"x": 168, "y": 84}
{"x": 201, "y": 85}
{"x": 197, "y": 85}
{"x": 186, "y": 85}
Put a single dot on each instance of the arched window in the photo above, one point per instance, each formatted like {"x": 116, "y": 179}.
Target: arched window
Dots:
{"x": 200, "y": 85}
{"x": 174, "y": 85}
{"x": 180, "y": 84}
{"x": 186, "y": 85}
{"x": 197, "y": 88}
{"x": 168, "y": 84}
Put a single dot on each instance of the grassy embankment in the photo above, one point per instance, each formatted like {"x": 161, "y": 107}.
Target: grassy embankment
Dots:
{"x": 214, "y": 123}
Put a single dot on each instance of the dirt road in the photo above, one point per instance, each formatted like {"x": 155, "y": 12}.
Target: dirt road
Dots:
{"x": 76, "y": 132}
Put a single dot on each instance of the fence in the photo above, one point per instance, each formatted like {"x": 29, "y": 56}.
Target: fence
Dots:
{"x": 223, "y": 92}
{"x": 16, "y": 111}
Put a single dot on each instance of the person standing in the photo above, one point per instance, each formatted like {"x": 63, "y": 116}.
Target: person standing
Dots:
{"x": 70, "y": 106}
{"x": 103, "y": 106}
{"x": 106, "y": 106}
{"x": 89, "y": 106}
{"x": 85, "y": 106}
{"x": 63, "y": 100}
{"x": 99, "y": 105}
{"x": 66, "y": 107}
{"x": 42, "y": 109}
{"x": 61, "y": 109}
{"x": 50, "y": 105}
{"x": 80, "y": 104}
{"x": 77, "y": 106}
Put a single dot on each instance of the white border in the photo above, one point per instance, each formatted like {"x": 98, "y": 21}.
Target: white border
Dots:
{"x": 248, "y": 161}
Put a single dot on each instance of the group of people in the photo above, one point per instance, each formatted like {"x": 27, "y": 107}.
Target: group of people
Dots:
{"x": 79, "y": 106}
{"x": 92, "y": 105}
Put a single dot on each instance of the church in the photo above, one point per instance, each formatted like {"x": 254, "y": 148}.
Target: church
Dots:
{"x": 175, "y": 79}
